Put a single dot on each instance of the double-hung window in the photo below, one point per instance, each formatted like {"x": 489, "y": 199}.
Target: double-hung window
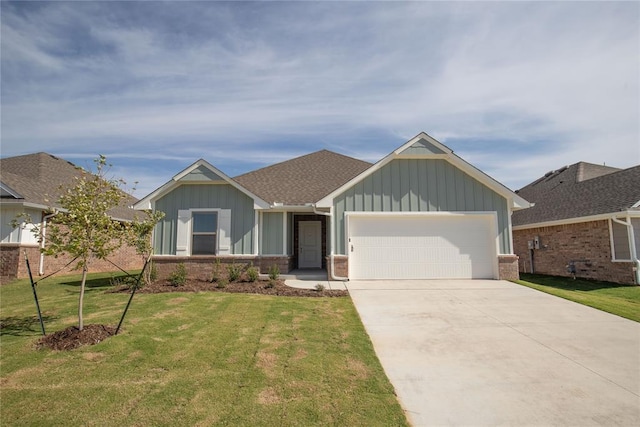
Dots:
{"x": 204, "y": 233}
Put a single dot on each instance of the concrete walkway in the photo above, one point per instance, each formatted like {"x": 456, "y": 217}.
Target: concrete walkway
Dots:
{"x": 309, "y": 279}
{"x": 485, "y": 353}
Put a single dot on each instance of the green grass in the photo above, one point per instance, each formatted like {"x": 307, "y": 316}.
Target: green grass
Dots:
{"x": 191, "y": 359}
{"x": 613, "y": 298}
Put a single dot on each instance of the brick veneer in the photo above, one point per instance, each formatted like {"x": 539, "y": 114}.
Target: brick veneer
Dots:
{"x": 508, "y": 267}
{"x": 341, "y": 264}
{"x": 201, "y": 267}
{"x": 587, "y": 244}
{"x": 13, "y": 264}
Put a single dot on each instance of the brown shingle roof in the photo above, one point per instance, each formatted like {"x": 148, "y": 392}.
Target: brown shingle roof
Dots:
{"x": 305, "y": 179}
{"x": 579, "y": 190}
{"x": 37, "y": 179}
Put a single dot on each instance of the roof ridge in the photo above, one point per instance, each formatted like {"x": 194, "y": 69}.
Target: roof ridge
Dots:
{"x": 297, "y": 159}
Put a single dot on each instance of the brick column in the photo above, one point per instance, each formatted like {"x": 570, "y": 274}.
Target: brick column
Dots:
{"x": 508, "y": 267}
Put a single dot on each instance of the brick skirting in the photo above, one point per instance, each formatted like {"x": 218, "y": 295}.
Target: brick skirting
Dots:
{"x": 201, "y": 267}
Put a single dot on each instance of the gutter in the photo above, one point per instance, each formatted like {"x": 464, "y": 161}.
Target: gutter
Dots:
{"x": 576, "y": 220}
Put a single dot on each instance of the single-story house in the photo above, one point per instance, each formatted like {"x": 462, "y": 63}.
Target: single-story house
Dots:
{"x": 31, "y": 184}
{"x": 420, "y": 212}
{"x": 585, "y": 222}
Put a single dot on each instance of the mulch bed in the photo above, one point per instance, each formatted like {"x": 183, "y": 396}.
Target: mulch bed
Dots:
{"x": 72, "y": 337}
{"x": 262, "y": 287}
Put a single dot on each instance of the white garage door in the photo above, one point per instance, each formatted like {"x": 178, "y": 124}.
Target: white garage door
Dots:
{"x": 441, "y": 246}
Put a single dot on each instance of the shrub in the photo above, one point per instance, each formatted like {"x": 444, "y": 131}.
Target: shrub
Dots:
{"x": 234, "y": 271}
{"x": 216, "y": 271}
{"x": 128, "y": 282}
{"x": 270, "y": 284}
{"x": 320, "y": 287}
{"x": 153, "y": 272}
{"x": 179, "y": 275}
{"x": 221, "y": 284}
{"x": 252, "y": 273}
{"x": 274, "y": 272}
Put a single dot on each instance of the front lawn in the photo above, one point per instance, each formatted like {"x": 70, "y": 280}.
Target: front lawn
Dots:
{"x": 190, "y": 359}
{"x": 613, "y": 298}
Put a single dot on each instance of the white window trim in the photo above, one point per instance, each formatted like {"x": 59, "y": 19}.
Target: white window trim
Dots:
{"x": 630, "y": 239}
{"x": 184, "y": 231}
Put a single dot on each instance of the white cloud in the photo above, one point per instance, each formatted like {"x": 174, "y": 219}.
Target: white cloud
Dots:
{"x": 247, "y": 84}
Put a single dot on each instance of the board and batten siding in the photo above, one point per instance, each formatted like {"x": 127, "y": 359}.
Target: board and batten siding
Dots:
{"x": 272, "y": 231}
{"x": 202, "y": 196}
{"x": 420, "y": 185}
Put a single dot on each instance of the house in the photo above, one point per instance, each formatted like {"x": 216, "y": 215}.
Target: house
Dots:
{"x": 585, "y": 222}
{"x": 31, "y": 184}
{"x": 420, "y": 212}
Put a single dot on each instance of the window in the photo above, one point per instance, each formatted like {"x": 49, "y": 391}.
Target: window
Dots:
{"x": 620, "y": 242}
{"x": 204, "y": 233}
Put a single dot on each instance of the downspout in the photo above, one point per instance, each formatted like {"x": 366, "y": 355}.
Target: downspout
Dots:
{"x": 332, "y": 274}
{"x": 531, "y": 260}
{"x": 632, "y": 247}
{"x": 42, "y": 241}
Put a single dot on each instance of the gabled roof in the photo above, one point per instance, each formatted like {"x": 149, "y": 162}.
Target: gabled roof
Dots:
{"x": 580, "y": 190}
{"x": 199, "y": 172}
{"x": 35, "y": 179}
{"x": 302, "y": 180}
{"x": 426, "y": 147}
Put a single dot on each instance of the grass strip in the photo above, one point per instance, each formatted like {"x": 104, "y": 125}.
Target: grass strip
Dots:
{"x": 621, "y": 300}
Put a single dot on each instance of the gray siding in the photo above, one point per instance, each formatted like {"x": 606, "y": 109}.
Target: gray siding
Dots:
{"x": 422, "y": 147}
{"x": 200, "y": 174}
{"x": 420, "y": 185}
{"x": 271, "y": 241}
{"x": 220, "y": 196}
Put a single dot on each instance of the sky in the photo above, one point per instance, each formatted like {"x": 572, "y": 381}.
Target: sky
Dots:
{"x": 514, "y": 88}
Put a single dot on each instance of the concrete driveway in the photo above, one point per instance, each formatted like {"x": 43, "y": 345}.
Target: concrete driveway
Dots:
{"x": 488, "y": 352}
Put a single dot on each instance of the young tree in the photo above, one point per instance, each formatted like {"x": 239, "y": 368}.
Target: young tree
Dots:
{"x": 139, "y": 232}
{"x": 83, "y": 227}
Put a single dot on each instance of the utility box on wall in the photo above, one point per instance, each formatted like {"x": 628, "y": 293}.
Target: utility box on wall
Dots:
{"x": 536, "y": 242}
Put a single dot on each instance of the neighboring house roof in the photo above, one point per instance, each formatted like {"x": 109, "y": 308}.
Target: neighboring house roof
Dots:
{"x": 580, "y": 190}
{"x": 424, "y": 146}
{"x": 305, "y": 179}
{"x": 35, "y": 180}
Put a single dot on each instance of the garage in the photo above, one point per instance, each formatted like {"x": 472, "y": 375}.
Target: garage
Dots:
{"x": 422, "y": 246}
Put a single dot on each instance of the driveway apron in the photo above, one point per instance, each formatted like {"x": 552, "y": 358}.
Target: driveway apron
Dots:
{"x": 489, "y": 352}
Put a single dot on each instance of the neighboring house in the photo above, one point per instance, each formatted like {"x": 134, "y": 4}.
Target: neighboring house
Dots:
{"x": 420, "y": 212}
{"x": 585, "y": 222}
{"x": 31, "y": 184}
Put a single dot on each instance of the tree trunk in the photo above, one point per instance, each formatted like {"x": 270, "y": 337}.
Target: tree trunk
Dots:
{"x": 81, "y": 302}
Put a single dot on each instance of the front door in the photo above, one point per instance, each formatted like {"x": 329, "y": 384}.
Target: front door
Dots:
{"x": 310, "y": 244}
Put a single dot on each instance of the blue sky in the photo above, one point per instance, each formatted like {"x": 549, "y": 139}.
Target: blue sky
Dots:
{"x": 515, "y": 88}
